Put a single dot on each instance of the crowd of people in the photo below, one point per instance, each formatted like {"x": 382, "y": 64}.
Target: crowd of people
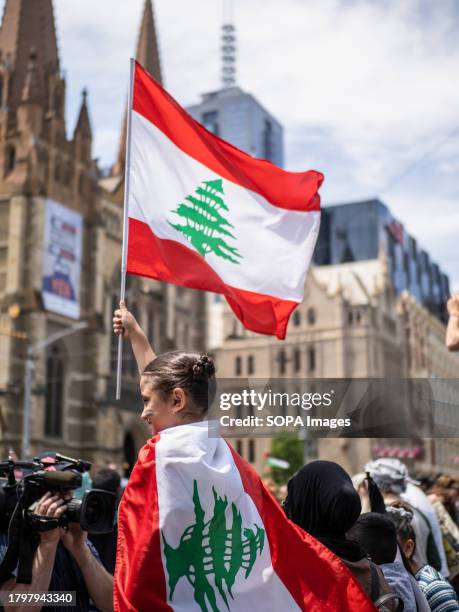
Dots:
{"x": 407, "y": 527}
{"x": 384, "y": 518}
{"x": 395, "y": 534}
{"x": 399, "y": 537}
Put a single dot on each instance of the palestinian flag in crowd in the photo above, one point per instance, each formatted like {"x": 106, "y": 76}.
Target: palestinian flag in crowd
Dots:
{"x": 198, "y": 532}
{"x": 205, "y": 215}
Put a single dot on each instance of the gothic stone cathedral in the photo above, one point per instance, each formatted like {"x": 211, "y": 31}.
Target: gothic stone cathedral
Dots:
{"x": 60, "y": 252}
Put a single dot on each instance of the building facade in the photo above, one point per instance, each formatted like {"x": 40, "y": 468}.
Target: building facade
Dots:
{"x": 60, "y": 252}
{"x": 346, "y": 327}
{"x": 350, "y": 325}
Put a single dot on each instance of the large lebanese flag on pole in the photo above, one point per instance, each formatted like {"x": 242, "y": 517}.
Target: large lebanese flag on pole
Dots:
{"x": 199, "y": 532}
{"x": 205, "y": 215}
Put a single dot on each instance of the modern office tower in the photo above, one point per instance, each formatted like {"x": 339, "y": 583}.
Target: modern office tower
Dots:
{"x": 356, "y": 231}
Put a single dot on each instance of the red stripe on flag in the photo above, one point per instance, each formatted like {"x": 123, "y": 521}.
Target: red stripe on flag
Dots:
{"x": 171, "y": 261}
{"x": 317, "y": 580}
{"x": 140, "y": 582}
{"x": 290, "y": 190}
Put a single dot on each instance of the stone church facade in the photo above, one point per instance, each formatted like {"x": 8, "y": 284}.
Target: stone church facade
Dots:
{"x": 73, "y": 407}
{"x": 350, "y": 325}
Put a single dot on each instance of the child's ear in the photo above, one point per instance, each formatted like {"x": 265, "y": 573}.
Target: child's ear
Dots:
{"x": 409, "y": 547}
{"x": 178, "y": 399}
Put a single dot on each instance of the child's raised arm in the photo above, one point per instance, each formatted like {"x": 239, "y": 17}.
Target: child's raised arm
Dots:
{"x": 124, "y": 323}
{"x": 452, "y": 330}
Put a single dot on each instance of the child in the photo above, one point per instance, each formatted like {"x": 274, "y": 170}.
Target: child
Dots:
{"x": 439, "y": 593}
{"x": 197, "y": 529}
{"x": 377, "y": 536}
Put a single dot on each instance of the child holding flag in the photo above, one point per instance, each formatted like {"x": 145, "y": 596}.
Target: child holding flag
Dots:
{"x": 198, "y": 530}
{"x": 176, "y": 387}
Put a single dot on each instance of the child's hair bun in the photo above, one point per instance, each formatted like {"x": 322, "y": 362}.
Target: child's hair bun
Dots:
{"x": 204, "y": 367}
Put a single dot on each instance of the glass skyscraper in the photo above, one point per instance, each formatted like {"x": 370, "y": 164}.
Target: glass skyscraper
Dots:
{"x": 358, "y": 230}
{"x": 240, "y": 119}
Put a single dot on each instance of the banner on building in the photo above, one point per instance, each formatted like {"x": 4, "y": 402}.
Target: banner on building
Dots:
{"x": 62, "y": 260}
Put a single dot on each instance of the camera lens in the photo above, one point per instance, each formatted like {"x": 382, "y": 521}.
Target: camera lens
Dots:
{"x": 94, "y": 510}
{"x": 73, "y": 513}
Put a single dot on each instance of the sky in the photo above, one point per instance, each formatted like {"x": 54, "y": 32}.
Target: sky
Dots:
{"x": 367, "y": 91}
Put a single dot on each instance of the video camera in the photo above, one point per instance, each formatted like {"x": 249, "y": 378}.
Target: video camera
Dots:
{"x": 95, "y": 512}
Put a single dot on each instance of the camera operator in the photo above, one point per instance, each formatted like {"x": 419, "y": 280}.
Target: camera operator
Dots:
{"x": 71, "y": 564}
{"x": 98, "y": 582}
{"x": 43, "y": 562}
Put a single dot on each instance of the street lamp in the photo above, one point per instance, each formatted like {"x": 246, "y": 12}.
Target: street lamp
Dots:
{"x": 28, "y": 379}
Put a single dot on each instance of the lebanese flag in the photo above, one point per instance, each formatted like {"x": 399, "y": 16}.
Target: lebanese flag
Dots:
{"x": 198, "y": 532}
{"x": 205, "y": 215}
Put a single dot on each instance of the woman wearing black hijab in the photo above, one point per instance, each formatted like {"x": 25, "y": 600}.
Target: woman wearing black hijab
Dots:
{"x": 322, "y": 500}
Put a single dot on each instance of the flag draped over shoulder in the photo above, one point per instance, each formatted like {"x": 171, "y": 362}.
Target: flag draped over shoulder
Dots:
{"x": 198, "y": 531}
{"x": 205, "y": 215}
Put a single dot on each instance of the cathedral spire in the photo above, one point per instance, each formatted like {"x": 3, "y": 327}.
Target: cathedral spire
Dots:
{"x": 148, "y": 55}
{"x": 83, "y": 125}
{"x": 28, "y": 25}
{"x": 147, "y": 46}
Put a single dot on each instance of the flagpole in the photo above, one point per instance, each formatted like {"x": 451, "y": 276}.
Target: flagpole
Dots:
{"x": 127, "y": 168}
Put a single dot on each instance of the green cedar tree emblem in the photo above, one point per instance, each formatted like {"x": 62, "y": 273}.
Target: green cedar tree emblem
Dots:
{"x": 205, "y": 226}
{"x": 213, "y": 548}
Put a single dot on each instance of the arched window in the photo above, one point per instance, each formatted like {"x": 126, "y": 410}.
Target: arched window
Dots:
{"x": 54, "y": 393}
{"x": 312, "y": 359}
{"x": 282, "y": 359}
{"x": 10, "y": 159}
{"x": 297, "y": 360}
{"x": 250, "y": 364}
{"x": 238, "y": 366}
{"x": 296, "y": 318}
{"x": 311, "y": 316}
